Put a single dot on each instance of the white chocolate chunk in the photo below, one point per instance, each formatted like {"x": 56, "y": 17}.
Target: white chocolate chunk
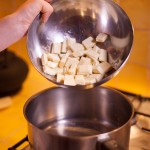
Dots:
{"x": 102, "y": 55}
{"x": 98, "y": 77}
{"x": 44, "y": 59}
{"x": 70, "y": 41}
{"x": 84, "y": 69}
{"x": 64, "y": 47}
{"x": 79, "y": 53}
{"x": 65, "y": 70}
{"x": 88, "y": 43}
{"x": 92, "y": 54}
{"x": 80, "y": 80}
{"x": 53, "y": 57}
{"x": 61, "y": 55}
{"x": 60, "y": 78}
{"x": 84, "y": 60}
{"x": 96, "y": 49}
{"x": 95, "y": 62}
{"x": 95, "y": 70}
{"x": 49, "y": 70}
{"x": 69, "y": 80}
{"x": 104, "y": 67}
{"x": 56, "y": 48}
{"x": 72, "y": 70}
{"x": 59, "y": 70}
{"x": 76, "y": 47}
{"x": 52, "y": 64}
{"x": 71, "y": 61}
{"x": 101, "y": 37}
{"x": 90, "y": 80}
{"x": 70, "y": 52}
{"x": 63, "y": 60}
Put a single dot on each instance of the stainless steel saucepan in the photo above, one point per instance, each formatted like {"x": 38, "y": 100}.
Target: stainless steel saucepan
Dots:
{"x": 73, "y": 119}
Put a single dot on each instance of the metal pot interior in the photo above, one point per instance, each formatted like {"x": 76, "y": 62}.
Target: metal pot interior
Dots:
{"x": 74, "y": 112}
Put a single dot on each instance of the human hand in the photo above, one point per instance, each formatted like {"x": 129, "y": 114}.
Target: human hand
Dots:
{"x": 31, "y": 8}
{"x": 16, "y": 25}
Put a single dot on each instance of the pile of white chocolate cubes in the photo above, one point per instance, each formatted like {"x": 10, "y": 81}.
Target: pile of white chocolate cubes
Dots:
{"x": 73, "y": 63}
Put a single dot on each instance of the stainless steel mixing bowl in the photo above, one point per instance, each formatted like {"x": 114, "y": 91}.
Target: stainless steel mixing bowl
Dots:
{"x": 80, "y": 19}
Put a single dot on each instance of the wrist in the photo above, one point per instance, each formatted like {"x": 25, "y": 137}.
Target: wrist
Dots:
{"x": 21, "y": 26}
{"x": 11, "y": 30}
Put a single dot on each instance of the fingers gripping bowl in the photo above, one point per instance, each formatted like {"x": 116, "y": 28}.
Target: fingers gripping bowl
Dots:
{"x": 82, "y": 20}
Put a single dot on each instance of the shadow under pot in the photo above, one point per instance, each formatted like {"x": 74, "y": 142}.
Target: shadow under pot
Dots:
{"x": 75, "y": 119}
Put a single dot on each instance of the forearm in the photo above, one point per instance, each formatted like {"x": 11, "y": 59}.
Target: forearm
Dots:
{"x": 15, "y": 26}
{"x": 11, "y": 30}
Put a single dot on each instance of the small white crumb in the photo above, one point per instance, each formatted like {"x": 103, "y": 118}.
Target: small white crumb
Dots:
{"x": 101, "y": 37}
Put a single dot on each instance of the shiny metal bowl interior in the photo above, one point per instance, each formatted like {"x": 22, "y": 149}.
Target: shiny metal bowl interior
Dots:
{"x": 80, "y": 19}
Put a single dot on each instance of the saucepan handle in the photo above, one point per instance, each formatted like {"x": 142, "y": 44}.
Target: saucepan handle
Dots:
{"x": 14, "y": 147}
